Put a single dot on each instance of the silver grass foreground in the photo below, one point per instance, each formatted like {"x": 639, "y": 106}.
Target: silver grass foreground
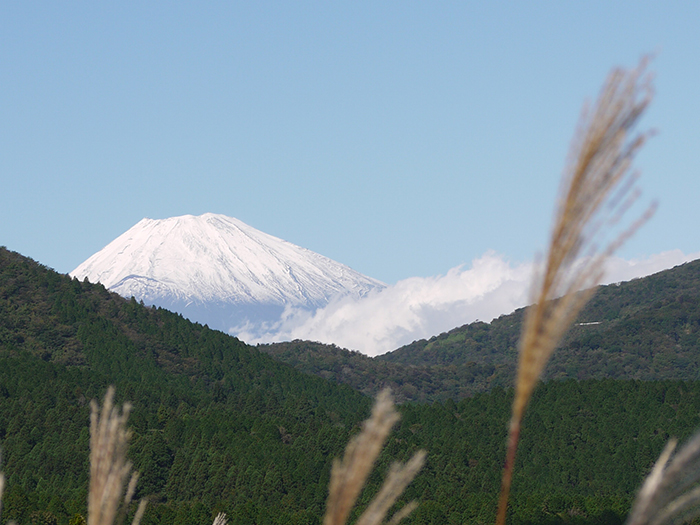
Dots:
{"x": 2, "y": 487}
{"x": 109, "y": 469}
{"x": 349, "y": 475}
{"x": 671, "y": 493}
{"x": 597, "y": 187}
{"x": 220, "y": 519}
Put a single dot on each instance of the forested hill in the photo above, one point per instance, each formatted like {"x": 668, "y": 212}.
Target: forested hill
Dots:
{"x": 646, "y": 329}
{"x": 216, "y": 422}
{"x": 219, "y": 426}
{"x": 418, "y": 383}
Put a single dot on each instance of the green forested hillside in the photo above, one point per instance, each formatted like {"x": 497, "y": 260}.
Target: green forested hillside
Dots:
{"x": 216, "y": 423}
{"x": 421, "y": 383}
{"x": 638, "y": 326}
{"x": 584, "y": 450}
{"x": 646, "y": 329}
{"x": 220, "y": 426}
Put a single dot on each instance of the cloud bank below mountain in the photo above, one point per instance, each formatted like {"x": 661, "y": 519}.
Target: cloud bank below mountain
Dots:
{"x": 420, "y": 307}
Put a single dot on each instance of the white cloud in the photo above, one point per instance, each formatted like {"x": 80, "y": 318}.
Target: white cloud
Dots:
{"x": 619, "y": 270}
{"x": 421, "y": 307}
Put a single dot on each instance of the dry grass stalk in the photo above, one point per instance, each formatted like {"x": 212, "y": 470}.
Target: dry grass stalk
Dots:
{"x": 349, "y": 475}
{"x": 396, "y": 481}
{"x": 402, "y": 513}
{"x": 109, "y": 468}
{"x": 220, "y": 519}
{"x": 671, "y": 492}
{"x": 2, "y": 488}
{"x": 139, "y": 512}
{"x": 598, "y": 166}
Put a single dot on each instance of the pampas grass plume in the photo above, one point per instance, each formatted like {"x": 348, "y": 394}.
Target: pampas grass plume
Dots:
{"x": 109, "y": 468}
{"x": 596, "y": 190}
{"x": 220, "y": 519}
{"x": 2, "y": 488}
{"x": 349, "y": 475}
{"x": 671, "y": 493}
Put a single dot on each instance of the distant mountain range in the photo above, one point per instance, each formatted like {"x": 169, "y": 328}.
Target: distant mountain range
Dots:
{"x": 219, "y": 271}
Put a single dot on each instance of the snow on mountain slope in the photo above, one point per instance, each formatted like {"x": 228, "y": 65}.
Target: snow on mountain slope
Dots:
{"x": 220, "y": 271}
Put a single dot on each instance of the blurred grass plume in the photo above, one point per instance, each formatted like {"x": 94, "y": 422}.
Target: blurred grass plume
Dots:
{"x": 349, "y": 475}
{"x": 597, "y": 188}
{"x": 109, "y": 469}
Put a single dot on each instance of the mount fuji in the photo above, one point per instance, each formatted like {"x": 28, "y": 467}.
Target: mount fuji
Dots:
{"x": 219, "y": 271}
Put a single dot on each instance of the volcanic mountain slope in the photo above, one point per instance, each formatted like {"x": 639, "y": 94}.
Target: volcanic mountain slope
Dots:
{"x": 218, "y": 270}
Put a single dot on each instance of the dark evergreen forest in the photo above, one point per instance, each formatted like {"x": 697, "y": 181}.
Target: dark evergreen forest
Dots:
{"x": 220, "y": 426}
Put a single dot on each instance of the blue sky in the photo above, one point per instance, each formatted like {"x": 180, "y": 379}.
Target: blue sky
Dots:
{"x": 400, "y": 138}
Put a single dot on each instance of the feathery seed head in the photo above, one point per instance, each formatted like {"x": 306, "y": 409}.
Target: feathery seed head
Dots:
{"x": 596, "y": 190}
{"x": 220, "y": 519}
{"x": 349, "y": 475}
{"x": 109, "y": 468}
{"x": 671, "y": 492}
{"x": 2, "y": 488}
{"x": 396, "y": 481}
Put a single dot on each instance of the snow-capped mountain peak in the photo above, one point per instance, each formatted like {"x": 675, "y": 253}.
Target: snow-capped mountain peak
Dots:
{"x": 213, "y": 261}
